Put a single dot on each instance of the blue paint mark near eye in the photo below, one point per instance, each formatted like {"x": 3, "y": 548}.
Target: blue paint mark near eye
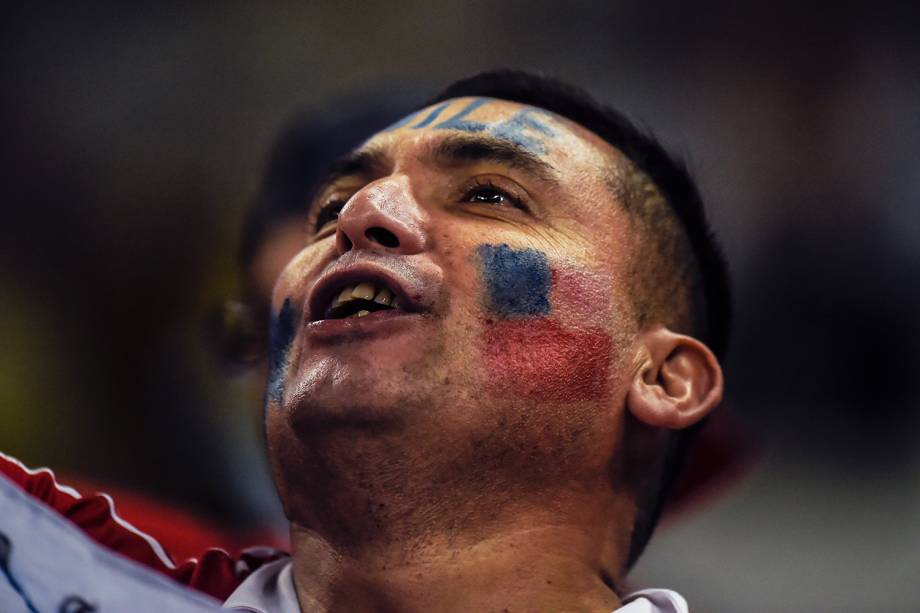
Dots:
{"x": 434, "y": 114}
{"x": 459, "y": 122}
{"x": 513, "y": 129}
{"x": 517, "y": 280}
{"x": 282, "y": 335}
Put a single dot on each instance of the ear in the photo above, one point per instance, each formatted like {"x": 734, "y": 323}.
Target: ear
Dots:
{"x": 677, "y": 382}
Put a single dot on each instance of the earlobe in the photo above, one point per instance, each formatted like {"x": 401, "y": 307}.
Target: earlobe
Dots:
{"x": 677, "y": 382}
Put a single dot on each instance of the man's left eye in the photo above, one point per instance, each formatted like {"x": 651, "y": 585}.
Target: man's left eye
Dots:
{"x": 492, "y": 195}
{"x": 488, "y": 195}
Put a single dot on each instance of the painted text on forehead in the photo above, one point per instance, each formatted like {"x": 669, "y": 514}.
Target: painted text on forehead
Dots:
{"x": 527, "y": 127}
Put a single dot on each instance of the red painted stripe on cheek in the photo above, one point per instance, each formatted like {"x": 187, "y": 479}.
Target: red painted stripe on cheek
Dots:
{"x": 539, "y": 358}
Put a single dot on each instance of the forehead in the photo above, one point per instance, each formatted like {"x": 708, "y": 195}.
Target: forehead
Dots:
{"x": 535, "y": 131}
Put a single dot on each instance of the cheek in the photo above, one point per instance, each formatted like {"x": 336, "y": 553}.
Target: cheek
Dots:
{"x": 305, "y": 264}
{"x": 581, "y": 297}
{"x": 279, "y": 248}
{"x": 287, "y": 313}
{"x": 545, "y": 333}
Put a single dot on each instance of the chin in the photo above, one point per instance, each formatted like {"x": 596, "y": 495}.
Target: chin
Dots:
{"x": 372, "y": 377}
{"x": 348, "y": 397}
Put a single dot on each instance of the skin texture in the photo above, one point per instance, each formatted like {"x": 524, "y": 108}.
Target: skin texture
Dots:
{"x": 481, "y": 453}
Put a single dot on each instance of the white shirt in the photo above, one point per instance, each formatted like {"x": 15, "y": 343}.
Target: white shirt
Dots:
{"x": 271, "y": 590}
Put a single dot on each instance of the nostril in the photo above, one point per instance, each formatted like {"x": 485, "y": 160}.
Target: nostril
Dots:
{"x": 382, "y": 236}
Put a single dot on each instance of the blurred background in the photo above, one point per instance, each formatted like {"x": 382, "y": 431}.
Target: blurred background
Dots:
{"x": 134, "y": 142}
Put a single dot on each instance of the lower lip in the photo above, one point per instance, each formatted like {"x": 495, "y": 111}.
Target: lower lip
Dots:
{"x": 373, "y": 324}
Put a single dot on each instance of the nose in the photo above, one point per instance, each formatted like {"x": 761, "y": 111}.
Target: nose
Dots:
{"x": 383, "y": 216}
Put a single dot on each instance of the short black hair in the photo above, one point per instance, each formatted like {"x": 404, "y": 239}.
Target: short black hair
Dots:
{"x": 681, "y": 258}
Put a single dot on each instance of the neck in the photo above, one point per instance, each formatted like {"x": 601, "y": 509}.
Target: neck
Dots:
{"x": 505, "y": 518}
{"x": 532, "y": 565}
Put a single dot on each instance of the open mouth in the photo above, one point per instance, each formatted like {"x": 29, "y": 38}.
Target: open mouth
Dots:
{"x": 361, "y": 299}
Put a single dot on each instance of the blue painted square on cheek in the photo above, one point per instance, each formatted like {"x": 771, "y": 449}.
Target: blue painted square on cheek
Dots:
{"x": 517, "y": 280}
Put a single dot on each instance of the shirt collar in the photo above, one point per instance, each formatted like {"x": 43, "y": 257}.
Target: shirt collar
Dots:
{"x": 270, "y": 589}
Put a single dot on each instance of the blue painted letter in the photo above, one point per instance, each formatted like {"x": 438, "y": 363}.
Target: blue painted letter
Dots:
{"x": 512, "y": 129}
{"x": 458, "y": 121}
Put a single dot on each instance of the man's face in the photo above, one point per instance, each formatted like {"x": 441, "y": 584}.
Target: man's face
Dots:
{"x": 494, "y": 229}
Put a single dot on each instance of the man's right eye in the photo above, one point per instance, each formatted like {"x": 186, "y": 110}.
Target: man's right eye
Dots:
{"x": 328, "y": 214}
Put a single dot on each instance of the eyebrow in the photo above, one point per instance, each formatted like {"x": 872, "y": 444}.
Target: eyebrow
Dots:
{"x": 357, "y": 163}
{"x": 461, "y": 149}
{"x": 363, "y": 162}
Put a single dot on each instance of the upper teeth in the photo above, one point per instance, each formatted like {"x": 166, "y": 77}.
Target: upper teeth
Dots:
{"x": 365, "y": 291}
